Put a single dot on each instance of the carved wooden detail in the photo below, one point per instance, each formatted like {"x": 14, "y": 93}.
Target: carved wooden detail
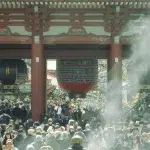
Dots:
{"x": 29, "y": 17}
{"x": 7, "y": 32}
{"x": 40, "y": 16}
{"x": 77, "y": 35}
{"x": 6, "y": 36}
{"x": 128, "y": 39}
{"x": 101, "y": 39}
{"x": 4, "y": 20}
{"x": 114, "y": 22}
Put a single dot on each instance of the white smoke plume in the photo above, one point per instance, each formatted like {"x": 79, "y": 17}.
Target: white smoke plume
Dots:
{"x": 140, "y": 59}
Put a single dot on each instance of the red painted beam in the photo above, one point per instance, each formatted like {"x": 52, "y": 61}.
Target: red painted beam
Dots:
{"x": 15, "y": 39}
{"x": 59, "y": 23}
{"x": 59, "y": 53}
{"x": 77, "y": 10}
{"x": 55, "y": 23}
{"x": 13, "y": 23}
{"x": 15, "y": 53}
{"x": 138, "y": 10}
{"x": 76, "y": 17}
{"x": 12, "y": 10}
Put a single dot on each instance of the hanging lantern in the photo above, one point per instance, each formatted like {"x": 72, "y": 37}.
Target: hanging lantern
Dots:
{"x": 78, "y": 76}
{"x": 12, "y": 71}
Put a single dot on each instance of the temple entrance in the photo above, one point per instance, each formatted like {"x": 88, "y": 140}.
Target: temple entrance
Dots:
{"x": 61, "y": 51}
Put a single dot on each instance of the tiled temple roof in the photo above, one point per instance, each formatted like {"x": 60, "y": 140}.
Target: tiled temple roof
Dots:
{"x": 74, "y": 3}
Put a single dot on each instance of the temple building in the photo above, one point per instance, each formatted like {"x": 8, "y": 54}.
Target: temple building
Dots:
{"x": 68, "y": 29}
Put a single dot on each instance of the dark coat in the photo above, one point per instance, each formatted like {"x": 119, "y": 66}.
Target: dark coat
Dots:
{"x": 29, "y": 139}
{"x": 19, "y": 142}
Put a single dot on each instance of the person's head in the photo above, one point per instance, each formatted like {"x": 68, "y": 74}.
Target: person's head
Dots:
{"x": 144, "y": 136}
{"x": 39, "y": 138}
{"x": 87, "y": 126}
{"x": 9, "y": 144}
{"x": 30, "y": 147}
{"x": 46, "y": 126}
{"x": 17, "y": 105}
{"x": 8, "y": 135}
{"x": 39, "y": 130}
{"x": 135, "y": 131}
{"x": 50, "y": 121}
{"x": 64, "y": 135}
{"x": 71, "y": 128}
{"x": 46, "y": 148}
{"x": 71, "y": 122}
{"x": 50, "y": 129}
{"x": 148, "y": 135}
{"x": 31, "y": 132}
{"x": 79, "y": 128}
{"x": 36, "y": 124}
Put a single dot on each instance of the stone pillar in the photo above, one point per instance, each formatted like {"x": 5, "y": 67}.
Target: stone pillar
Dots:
{"x": 115, "y": 72}
{"x": 38, "y": 76}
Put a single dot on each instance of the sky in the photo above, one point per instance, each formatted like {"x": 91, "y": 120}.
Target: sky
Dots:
{"x": 51, "y": 65}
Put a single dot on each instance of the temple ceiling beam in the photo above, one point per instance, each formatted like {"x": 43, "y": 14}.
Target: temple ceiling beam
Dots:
{"x": 75, "y": 3}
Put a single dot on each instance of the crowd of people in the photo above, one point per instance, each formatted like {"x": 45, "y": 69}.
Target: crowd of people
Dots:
{"x": 65, "y": 119}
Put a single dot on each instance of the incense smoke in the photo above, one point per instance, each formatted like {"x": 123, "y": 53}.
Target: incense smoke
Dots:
{"x": 140, "y": 59}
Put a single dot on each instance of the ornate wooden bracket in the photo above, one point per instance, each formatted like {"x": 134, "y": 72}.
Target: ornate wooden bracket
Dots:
{"x": 115, "y": 19}
{"x": 4, "y": 19}
{"x": 38, "y": 14}
{"x": 7, "y": 32}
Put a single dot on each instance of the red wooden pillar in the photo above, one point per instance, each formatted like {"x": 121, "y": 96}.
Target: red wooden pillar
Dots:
{"x": 38, "y": 76}
{"x": 115, "y": 73}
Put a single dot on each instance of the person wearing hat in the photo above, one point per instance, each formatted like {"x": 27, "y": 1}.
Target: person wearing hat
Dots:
{"x": 76, "y": 143}
{"x": 81, "y": 134}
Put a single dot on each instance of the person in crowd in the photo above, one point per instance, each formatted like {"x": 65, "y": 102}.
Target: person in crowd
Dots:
{"x": 9, "y": 145}
{"x": 137, "y": 143}
{"x": 7, "y": 136}
{"x": 30, "y": 147}
{"x": 1, "y": 146}
{"x": 23, "y": 113}
{"x": 18, "y": 141}
{"x": 46, "y": 148}
{"x": 64, "y": 120}
{"x": 30, "y": 137}
{"x": 16, "y": 112}
{"x": 4, "y": 119}
{"x": 81, "y": 134}
{"x": 38, "y": 143}
{"x": 64, "y": 140}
